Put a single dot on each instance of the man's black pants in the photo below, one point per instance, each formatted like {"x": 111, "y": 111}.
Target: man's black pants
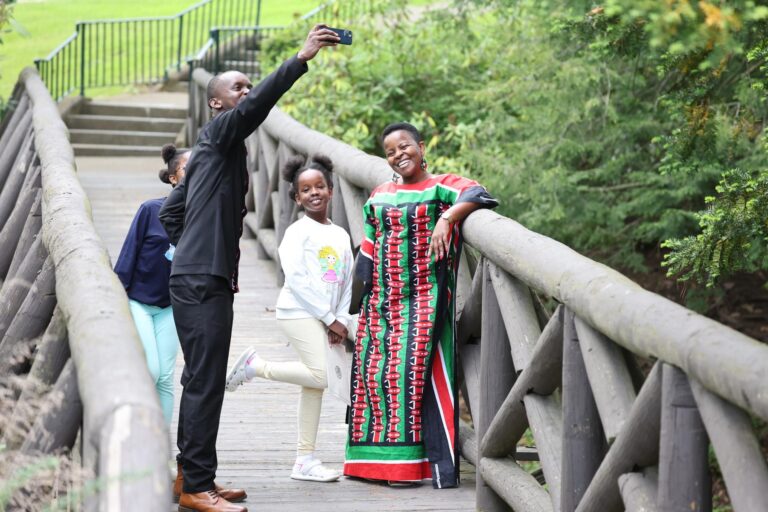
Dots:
{"x": 202, "y": 311}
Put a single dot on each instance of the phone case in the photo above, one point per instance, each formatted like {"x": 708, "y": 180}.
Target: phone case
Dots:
{"x": 344, "y": 34}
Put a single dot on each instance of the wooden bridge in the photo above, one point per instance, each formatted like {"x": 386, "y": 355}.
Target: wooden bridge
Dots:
{"x": 586, "y": 392}
{"x": 257, "y": 438}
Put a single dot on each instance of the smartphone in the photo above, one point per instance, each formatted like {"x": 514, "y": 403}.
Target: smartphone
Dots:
{"x": 344, "y": 34}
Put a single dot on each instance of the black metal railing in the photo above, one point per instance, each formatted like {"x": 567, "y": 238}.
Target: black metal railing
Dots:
{"x": 238, "y": 47}
{"x": 137, "y": 50}
{"x": 233, "y": 48}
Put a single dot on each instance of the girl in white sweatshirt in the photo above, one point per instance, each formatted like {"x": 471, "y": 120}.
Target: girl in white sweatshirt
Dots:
{"x": 312, "y": 308}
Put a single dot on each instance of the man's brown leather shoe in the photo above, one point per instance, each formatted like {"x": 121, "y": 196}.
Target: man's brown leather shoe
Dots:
{"x": 231, "y": 495}
{"x": 208, "y": 501}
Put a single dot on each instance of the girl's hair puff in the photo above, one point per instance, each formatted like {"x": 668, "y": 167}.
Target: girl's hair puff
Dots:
{"x": 296, "y": 165}
{"x": 171, "y": 156}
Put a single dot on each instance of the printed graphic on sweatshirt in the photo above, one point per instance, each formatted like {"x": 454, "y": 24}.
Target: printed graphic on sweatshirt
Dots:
{"x": 331, "y": 265}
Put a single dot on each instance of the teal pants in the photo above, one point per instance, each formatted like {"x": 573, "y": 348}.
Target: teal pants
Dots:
{"x": 158, "y": 335}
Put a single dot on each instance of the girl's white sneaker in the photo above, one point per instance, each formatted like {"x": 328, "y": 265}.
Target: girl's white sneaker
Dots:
{"x": 314, "y": 471}
{"x": 237, "y": 374}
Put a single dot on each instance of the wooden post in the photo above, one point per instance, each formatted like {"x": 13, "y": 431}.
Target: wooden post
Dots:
{"x": 636, "y": 446}
{"x": 9, "y": 235}
{"x": 738, "y": 451}
{"x": 583, "y": 437}
{"x": 57, "y": 425}
{"x": 284, "y": 205}
{"x": 468, "y": 442}
{"x": 269, "y": 181}
{"x": 52, "y": 354}
{"x": 515, "y": 485}
{"x": 545, "y": 416}
{"x": 15, "y": 243}
{"x": 338, "y": 213}
{"x": 639, "y": 490}
{"x": 684, "y": 480}
{"x": 16, "y": 287}
{"x": 608, "y": 376}
{"x": 354, "y": 200}
{"x": 542, "y": 377}
{"x": 30, "y": 320}
{"x": 268, "y": 242}
{"x": 496, "y": 379}
{"x": 468, "y": 321}
{"x": 13, "y": 185}
{"x": 470, "y": 369}
{"x": 10, "y": 151}
{"x": 519, "y": 315}
{"x": 119, "y": 457}
{"x": 260, "y": 178}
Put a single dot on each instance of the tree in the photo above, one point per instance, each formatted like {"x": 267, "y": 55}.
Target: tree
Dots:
{"x": 714, "y": 55}
{"x": 605, "y": 127}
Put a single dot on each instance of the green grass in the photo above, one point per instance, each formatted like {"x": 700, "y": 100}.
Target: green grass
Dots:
{"x": 50, "y": 22}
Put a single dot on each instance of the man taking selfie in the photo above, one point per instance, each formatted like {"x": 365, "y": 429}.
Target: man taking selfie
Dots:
{"x": 204, "y": 219}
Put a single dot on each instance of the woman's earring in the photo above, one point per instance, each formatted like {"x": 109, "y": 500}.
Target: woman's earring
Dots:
{"x": 423, "y": 164}
{"x": 395, "y": 177}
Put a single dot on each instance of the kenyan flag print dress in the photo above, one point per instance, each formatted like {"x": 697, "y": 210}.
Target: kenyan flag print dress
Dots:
{"x": 403, "y": 423}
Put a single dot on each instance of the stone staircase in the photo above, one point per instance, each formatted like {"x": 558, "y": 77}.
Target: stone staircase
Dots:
{"x": 101, "y": 128}
{"x": 244, "y": 60}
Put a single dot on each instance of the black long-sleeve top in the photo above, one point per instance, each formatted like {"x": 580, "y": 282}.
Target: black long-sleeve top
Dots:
{"x": 203, "y": 216}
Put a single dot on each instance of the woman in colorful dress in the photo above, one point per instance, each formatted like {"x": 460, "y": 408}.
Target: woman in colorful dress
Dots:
{"x": 404, "y": 423}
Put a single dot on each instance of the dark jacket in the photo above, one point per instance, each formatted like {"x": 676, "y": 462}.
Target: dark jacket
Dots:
{"x": 144, "y": 265}
{"x": 205, "y": 213}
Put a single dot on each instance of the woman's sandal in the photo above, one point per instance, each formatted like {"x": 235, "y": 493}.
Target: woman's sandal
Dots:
{"x": 314, "y": 471}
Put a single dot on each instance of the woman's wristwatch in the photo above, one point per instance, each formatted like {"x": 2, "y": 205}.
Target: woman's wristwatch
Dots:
{"x": 447, "y": 216}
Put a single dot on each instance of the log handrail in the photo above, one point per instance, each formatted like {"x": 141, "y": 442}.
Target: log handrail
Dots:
{"x": 124, "y": 438}
{"x": 575, "y": 381}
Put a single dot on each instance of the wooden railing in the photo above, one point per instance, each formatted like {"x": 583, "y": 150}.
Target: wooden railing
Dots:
{"x": 66, "y": 332}
{"x": 622, "y": 390}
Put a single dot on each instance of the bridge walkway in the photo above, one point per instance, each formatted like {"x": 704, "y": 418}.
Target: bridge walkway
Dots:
{"x": 257, "y": 437}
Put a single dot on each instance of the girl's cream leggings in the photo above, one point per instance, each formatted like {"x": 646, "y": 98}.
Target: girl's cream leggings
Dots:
{"x": 308, "y": 338}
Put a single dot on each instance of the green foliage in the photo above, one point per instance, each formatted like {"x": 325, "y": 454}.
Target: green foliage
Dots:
{"x": 5, "y": 19}
{"x": 734, "y": 233}
{"x": 6, "y": 15}
{"x": 713, "y": 58}
{"x": 604, "y": 128}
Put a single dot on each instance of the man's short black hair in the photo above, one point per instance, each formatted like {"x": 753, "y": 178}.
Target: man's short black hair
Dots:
{"x": 213, "y": 84}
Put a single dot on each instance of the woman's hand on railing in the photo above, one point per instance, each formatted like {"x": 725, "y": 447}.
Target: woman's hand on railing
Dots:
{"x": 319, "y": 36}
{"x": 441, "y": 237}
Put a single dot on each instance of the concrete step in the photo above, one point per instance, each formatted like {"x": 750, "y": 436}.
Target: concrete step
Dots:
{"x": 99, "y": 108}
{"x": 182, "y": 86}
{"x": 142, "y": 124}
{"x": 122, "y": 138}
{"x": 114, "y": 150}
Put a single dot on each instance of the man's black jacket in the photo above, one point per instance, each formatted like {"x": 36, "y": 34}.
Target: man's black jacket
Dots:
{"x": 203, "y": 215}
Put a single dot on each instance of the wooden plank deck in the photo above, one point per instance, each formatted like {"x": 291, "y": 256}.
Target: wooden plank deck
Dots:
{"x": 257, "y": 437}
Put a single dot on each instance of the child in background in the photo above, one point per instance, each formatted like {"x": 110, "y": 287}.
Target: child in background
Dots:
{"x": 312, "y": 308}
{"x": 144, "y": 267}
